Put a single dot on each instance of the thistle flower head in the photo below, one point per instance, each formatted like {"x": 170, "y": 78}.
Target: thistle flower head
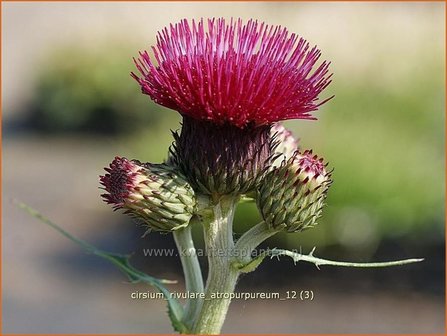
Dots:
{"x": 155, "y": 194}
{"x": 230, "y": 72}
{"x": 292, "y": 195}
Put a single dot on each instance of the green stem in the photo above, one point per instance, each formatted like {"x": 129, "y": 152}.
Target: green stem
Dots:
{"x": 251, "y": 239}
{"x": 319, "y": 261}
{"x": 222, "y": 277}
{"x": 191, "y": 271}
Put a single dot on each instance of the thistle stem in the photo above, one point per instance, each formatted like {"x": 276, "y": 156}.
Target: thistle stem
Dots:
{"x": 191, "y": 271}
{"x": 222, "y": 277}
{"x": 251, "y": 239}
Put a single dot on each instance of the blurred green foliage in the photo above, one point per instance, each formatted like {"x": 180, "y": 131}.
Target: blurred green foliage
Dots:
{"x": 386, "y": 144}
{"x": 387, "y": 150}
{"x": 90, "y": 90}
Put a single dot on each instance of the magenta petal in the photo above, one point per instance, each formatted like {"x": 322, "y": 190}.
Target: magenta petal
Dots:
{"x": 233, "y": 72}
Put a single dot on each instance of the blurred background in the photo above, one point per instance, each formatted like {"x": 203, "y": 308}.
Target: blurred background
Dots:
{"x": 70, "y": 106}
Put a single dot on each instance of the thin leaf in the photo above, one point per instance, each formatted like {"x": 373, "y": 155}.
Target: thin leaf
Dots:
{"x": 175, "y": 310}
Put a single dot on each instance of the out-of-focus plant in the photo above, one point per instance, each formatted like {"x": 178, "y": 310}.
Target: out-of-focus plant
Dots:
{"x": 396, "y": 191}
{"x": 232, "y": 83}
{"x": 80, "y": 89}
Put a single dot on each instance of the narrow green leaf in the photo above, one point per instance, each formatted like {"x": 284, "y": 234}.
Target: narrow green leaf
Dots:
{"x": 175, "y": 310}
{"x": 296, "y": 257}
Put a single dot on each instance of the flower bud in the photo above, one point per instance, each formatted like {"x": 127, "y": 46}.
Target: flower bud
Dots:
{"x": 285, "y": 144}
{"x": 292, "y": 195}
{"x": 154, "y": 193}
{"x": 221, "y": 159}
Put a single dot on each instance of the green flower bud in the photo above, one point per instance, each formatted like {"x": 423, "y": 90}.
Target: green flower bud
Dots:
{"x": 292, "y": 195}
{"x": 154, "y": 193}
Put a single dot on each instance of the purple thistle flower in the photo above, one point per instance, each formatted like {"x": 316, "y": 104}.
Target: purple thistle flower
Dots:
{"x": 231, "y": 82}
{"x": 234, "y": 73}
